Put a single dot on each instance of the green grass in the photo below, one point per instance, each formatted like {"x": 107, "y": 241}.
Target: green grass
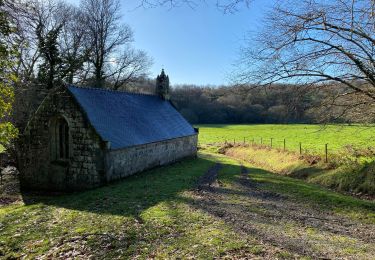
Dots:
{"x": 351, "y": 150}
{"x": 144, "y": 213}
{"x": 300, "y": 190}
{"x": 155, "y": 215}
{"x": 302, "y": 193}
{"x": 315, "y": 195}
{"x": 312, "y": 137}
{"x": 351, "y": 177}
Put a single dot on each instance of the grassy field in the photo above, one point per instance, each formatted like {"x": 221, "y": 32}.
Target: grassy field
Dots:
{"x": 354, "y": 177}
{"x": 247, "y": 212}
{"x": 351, "y": 151}
{"x": 160, "y": 214}
{"x": 312, "y": 137}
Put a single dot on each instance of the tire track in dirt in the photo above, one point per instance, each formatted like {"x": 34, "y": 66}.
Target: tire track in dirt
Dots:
{"x": 209, "y": 179}
{"x": 307, "y": 216}
{"x": 283, "y": 208}
{"x": 255, "y": 189}
{"x": 268, "y": 216}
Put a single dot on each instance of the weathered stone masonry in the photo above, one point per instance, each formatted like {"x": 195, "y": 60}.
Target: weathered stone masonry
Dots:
{"x": 124, "y": 162}
{"x": 85, "y": 166}
{"x": 89, "y": 162}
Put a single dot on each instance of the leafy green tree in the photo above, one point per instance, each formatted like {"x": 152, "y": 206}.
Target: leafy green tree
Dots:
{"x": 48, "y": 47}
{"x": 7, "y": 79}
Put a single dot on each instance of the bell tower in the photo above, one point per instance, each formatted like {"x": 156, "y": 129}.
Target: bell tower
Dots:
{"x": 162, "y": 85}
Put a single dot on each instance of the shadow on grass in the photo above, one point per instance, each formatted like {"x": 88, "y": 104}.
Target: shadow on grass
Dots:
{"x": 132, "y": 195}
{"x": 137, "y": 193}
{"x": 313, "y": 194}
{"x": 275, "y": 208}
{"x": 307, "y": 172}
{"x": 257, "y": 206}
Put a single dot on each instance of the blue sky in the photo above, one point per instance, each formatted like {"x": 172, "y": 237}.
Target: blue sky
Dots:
{"x": 196, "y": 46}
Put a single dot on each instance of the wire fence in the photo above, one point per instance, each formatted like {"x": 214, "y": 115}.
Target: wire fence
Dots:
{"x": 282, "y": 145}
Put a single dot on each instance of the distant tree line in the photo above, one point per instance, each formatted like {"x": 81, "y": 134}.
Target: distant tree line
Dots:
{"x": 239, "y": 105}
{"x": 250, "y": 104}
{"x": 273, "y": 104}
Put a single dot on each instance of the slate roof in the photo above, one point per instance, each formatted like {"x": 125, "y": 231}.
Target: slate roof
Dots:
{"x": 128, "y": 119}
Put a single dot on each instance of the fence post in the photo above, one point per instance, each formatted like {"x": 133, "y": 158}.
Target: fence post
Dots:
{"x": 271, "y": 142}
{"x": 244, "y": 141}
{"x": 234, "y": 141}
{"x": 284, "y": 144}
{"x": 326, "y": 150}
{"x": 261, "y": 140}
{"x": 300, "y": 148}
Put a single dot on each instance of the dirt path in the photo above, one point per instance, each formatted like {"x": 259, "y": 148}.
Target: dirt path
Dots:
{"x": 209, "y": 179}
{"x": 280, "y": 222}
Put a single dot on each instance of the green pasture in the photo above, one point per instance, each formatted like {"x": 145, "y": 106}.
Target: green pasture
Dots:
{"x": 158, "y": 214}
{"x": 312, "y": 137}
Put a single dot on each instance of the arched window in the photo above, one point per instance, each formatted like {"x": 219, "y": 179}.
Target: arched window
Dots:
{"x": 59, "y": 139}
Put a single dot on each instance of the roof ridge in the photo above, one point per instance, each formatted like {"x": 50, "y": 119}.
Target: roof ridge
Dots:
{"x": 112, "y": 90}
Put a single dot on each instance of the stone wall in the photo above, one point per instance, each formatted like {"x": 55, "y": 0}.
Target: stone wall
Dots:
{"x": 9, "y": 182}
{"x": 85, "y": 166}
{"x": 123, "y": 162}
{"x": 90, "y": 162}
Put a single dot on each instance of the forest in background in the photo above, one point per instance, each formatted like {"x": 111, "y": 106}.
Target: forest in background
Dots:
{"x": 326, "y": 78}
{"x": 250, "y": 104}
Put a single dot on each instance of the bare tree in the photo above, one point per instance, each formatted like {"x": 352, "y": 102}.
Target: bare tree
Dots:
{"x": 24, "y": 15}
{"x": 50, "y": 44}
{"x": 112, "y": 58}
{"x": 227, "y": 6}
{"x": 317, "y": 43}
{"x": 39, "y": 25}
{"x": 74, "y": 45}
